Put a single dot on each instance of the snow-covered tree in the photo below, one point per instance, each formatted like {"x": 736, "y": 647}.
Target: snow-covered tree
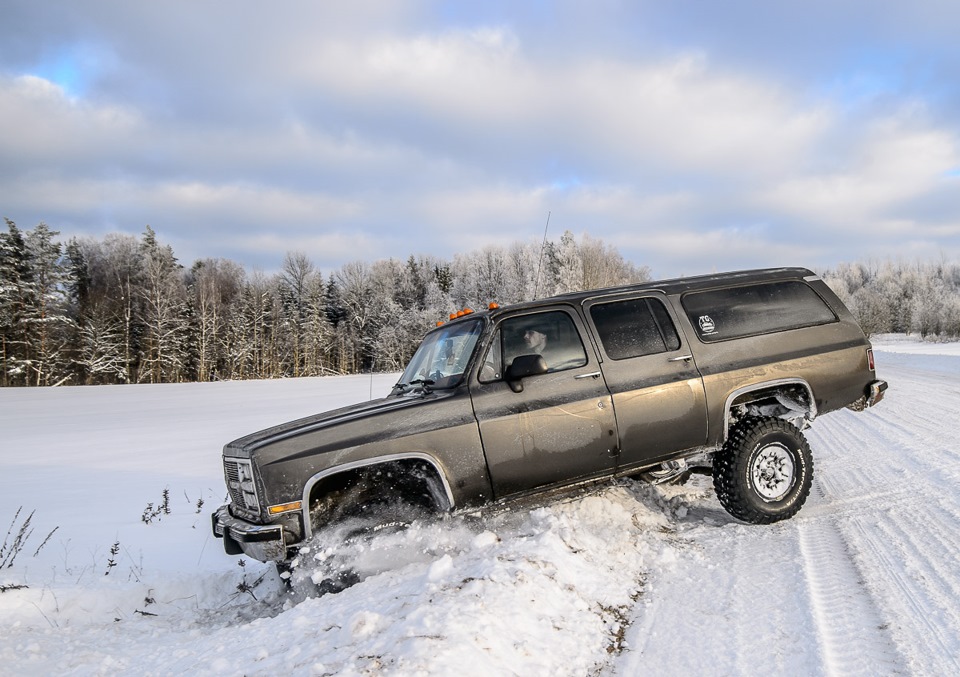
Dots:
{"x": 100, "y": 352}
{"x": 318, "y": 333}
{"x": 17, "y": 295}
{"x": 165, "y": 345}
{"x": 294, "y": 283}
{"x": 568, "y": 265}
{"x": 356, "y": 296}
{"x": 48, "y": 325}
{"x": 211, "y": 286}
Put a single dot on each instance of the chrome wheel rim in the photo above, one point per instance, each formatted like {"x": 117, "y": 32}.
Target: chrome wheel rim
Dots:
{"x": 772, "y": 472}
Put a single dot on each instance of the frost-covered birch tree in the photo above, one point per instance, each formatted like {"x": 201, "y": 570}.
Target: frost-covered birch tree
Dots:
{"x": 214, "y": 286}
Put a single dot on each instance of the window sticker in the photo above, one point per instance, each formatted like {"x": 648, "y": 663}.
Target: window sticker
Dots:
{"x": 707, "y": 326}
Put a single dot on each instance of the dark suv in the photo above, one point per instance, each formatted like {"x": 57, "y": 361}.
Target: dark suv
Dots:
{"x": 717, "y": 373}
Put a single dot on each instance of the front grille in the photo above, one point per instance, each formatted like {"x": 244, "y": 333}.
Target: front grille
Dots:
{"x": 240, "y": 484}
{"x": 232, "y": 474}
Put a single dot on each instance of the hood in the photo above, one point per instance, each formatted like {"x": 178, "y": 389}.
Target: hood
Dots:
{"x": 244, "y": 447}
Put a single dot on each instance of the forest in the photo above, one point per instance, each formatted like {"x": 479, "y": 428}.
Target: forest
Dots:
{"x": 123, "y": 309}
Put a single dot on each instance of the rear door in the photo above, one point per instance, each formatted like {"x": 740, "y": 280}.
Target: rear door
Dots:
{"x": 561, "y": 427}
{"x": 649, "y": 368}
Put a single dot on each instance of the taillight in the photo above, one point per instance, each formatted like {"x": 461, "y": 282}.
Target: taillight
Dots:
{"x": 870, "y": 362}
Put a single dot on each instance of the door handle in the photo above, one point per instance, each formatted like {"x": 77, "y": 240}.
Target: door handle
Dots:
{"x": 595, "y": 374}
{"x": 681, "y": 358}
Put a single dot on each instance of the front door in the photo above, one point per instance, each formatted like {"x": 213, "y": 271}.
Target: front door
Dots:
{"x": 561, "y": 426}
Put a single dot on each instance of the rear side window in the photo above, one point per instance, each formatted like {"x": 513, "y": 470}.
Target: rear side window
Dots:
{"x": 634, "y": 328}
{"x": 736, "y": 312}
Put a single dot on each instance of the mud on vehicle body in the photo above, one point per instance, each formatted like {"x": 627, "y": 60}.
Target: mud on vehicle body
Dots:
{"x": 717, "y": 374}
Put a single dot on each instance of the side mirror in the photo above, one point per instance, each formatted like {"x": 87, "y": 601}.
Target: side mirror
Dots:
{"x": 522, "y": 367}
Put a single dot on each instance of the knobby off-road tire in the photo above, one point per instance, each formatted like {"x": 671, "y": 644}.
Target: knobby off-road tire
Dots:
{"x": 764, "y": 471}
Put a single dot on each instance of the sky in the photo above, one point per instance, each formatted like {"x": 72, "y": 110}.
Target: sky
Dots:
{"x": 693, "y": 136}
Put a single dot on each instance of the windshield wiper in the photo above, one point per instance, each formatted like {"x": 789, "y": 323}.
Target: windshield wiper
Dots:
{"x": 424, "y": 383}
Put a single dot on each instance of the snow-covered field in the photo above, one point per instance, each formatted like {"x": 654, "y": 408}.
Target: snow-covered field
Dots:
{"x": 622, "y": 580}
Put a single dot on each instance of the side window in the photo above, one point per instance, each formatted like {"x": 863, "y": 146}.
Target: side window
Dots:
{"x": 755, "y": 309}
{"x": 634, "y": 327}
{"x": 552, "y": 335}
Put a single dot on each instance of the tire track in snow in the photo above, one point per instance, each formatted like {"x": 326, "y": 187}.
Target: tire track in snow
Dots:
{"x": 733, "y": 601}
{"x": 888, "y": 478}
{"x": 918, "y": 558}
{"x": 849, "y": 626}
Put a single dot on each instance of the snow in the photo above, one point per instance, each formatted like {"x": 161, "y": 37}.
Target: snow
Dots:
{"x": 621, "y": 579}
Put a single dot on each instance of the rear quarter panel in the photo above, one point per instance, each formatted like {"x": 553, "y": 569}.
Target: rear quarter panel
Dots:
{"x": 831, "y": 358}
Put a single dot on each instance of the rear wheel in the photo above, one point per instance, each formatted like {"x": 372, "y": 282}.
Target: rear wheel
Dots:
{"x": 764, "y": 471}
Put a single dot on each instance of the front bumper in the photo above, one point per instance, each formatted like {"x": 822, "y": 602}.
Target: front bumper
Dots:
{"x": 262, "y": 542}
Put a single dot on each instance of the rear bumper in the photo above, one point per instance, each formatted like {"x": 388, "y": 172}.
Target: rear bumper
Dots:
{"x": 262, "y": 542}
{"x": 875, "y": 392}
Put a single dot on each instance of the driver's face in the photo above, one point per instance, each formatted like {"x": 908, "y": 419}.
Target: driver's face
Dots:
{"x": 532, "y": 337}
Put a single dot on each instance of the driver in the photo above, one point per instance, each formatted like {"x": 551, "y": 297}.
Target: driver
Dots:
{"x": 536, "y": 341}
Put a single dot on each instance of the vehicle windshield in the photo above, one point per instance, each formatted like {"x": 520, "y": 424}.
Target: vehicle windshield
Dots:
{"x": 441, "y": 359}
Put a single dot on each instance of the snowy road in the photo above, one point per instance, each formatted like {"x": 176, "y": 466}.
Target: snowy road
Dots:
{"x": 623, "y": 580}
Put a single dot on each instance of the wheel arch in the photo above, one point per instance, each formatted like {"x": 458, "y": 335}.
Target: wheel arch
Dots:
{"x": 421, "y": 458}
{"x": 795, "y": 396}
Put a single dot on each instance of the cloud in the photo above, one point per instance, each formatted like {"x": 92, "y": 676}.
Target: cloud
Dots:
{"x": 748, "y": 134}
{"x": 45, "y": 128}
{"x": 328, "y": 249}
{"x": 478, "y": 92}
{"x": 894, "y": 161}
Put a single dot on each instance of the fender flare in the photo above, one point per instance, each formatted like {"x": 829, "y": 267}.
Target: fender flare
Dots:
{"x": 766, "y": 385}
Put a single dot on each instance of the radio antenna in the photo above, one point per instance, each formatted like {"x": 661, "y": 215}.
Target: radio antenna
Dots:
{"x": 543, "y": 245}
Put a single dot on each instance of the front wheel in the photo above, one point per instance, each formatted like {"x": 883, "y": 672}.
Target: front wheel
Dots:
{"x": 762, "y": 474}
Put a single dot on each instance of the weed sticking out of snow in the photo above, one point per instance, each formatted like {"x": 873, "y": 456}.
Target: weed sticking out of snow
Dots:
{"x": 17, "y": 537}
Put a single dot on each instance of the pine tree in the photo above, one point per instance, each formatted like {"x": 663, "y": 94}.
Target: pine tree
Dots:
{"x": 17, "y": 296}
{"x": 293, "y": 283}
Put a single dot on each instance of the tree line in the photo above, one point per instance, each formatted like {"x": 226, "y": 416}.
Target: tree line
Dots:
{"x": 897, "y": 297}
{"x": 122, "y": 309}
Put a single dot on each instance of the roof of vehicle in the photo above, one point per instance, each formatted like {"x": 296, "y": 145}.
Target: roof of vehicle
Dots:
{"x": 679, "y": 285}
